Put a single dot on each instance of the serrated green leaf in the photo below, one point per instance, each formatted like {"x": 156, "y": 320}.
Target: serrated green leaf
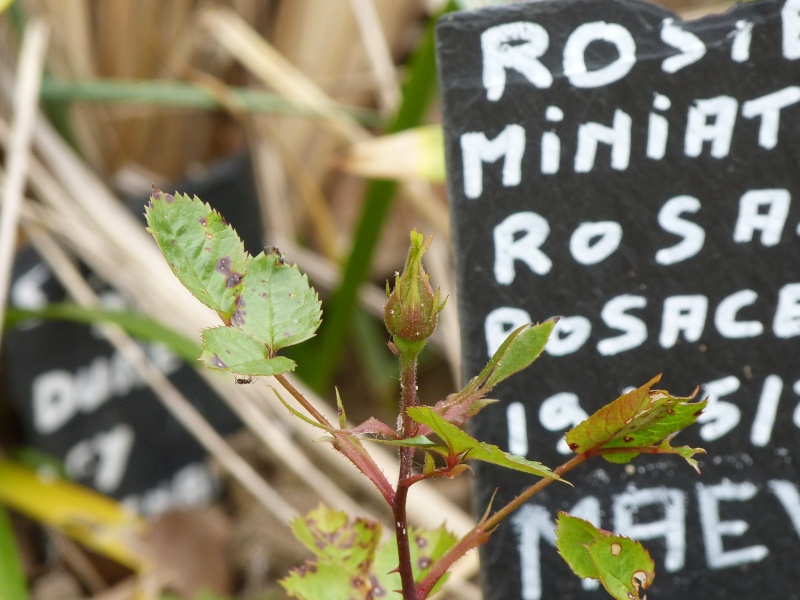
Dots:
{"x": 278, "y": 306}
{"x": 523, "y": 346}
{"x": 641, "y": 418}
{"x": 463, "y": 445}
{"x": 332, "y": 537}
{"x": 573, "y": 535}
{"x": 231, "y": 349}
{"x": 622, "y": 565}
{"x": 315, "y": 580}
{"x": 204, "y": 252}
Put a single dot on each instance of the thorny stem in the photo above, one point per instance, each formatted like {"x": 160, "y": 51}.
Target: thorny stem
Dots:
{"x": 480, "y": 533}
{"x": 303, "y": 402}
{"x": 351, "y": 448}
{"x": 408, "y": 384}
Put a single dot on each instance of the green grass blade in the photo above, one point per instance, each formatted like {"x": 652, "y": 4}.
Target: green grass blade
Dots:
{"x": 12, "y": 578}
{"x": 418, "y": 92}
{"x": 186, "y": 95}
{"x": 136, "y": 324}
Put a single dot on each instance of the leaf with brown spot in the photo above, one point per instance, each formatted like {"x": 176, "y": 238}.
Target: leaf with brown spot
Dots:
{"x": 622, "y": 565}
{"x": 278, "y": 306}
{"x": 230, "y": 349}
{"x": 204, "y": 252}
{"x": 641, "y": 418}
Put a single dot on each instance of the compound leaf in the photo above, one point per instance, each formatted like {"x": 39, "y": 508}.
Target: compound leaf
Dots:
{"x": 331, "y": 535}
{"x": 622, "y": 565}
{"x": 277, "y": 306}
{"x": 231, "y": 349}
{"x": 640, "y": 418}
{"x": 464, "y": 446}
{"x": 204, "y": 252}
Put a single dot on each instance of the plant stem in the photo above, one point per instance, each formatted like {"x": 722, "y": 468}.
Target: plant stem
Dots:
{"x": 303, "y": 402}
{"x": 346, "y": 444}
{"x": 408, "y": 391}
{"x": 480, "y": 533}
{"x": 529, "y": 493}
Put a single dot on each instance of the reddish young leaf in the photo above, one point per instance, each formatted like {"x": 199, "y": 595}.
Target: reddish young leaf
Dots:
{"x": 642, "y": 418}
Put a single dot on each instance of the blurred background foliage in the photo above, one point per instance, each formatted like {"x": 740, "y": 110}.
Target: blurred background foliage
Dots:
{"x": 332, "y": 105}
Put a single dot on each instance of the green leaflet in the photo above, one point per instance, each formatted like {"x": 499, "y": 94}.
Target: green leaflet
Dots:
{"x": 641, "y": 418}
{"x": 517, "y": 352}
{"x": 523, "y": 346}
{"x": 278, "y": 306}
{"x": 331, "y": 536}
{"x": 351, "y": 563}
{"x": 620, "y": 564}
{"x": 462, "y": 445}
{"x": 204, "y": 252}
{"x": 265, "y": 303}
{"x": 231, "y": 349}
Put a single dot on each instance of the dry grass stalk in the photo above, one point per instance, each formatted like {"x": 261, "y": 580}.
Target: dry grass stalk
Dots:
{"x": 25, "y": 107}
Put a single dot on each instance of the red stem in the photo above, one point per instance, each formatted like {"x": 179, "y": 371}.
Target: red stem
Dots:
{"x": 481, "y": 532}
{"x": 352, "y": 449}
{"x": 408, "y": 389}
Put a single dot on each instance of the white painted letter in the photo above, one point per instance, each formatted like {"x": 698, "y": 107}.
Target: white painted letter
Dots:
{"x": 790, "y": 19}
{"x": 575, "y": 54}
{"x": 658, "y": 128}
{"x": 683, "y": 313}
{"x": 693, "y": 235}
{"x": 691, "y": 47}
{"x": 764, "y": 422}
{"x": 568, "y": 336}
{"x": 770, "y": 223}
{"x": 618, "y": 136}
{"x": 740, "y": 48}
{"x": 786, "y": 492}
{"x": 591, "y": 243}
{"x": 786, "y": 323}
{"x": 476, "y": 149}
{"x": 510, "y": 246}
{"x": 769, "y": 108}
{"x": 719, "y": 132}
{"x": 725, "y": 316}
{"x": 614, "y": 315}
{"x": 714, "y": 529}
{"x": 54, "y": 400}
{"x": 560, "y": 412}
{"x": 515, "y": 46}
{"x": 720, "y": 416}
{"x": 499, "y": 323}
{"x": 517, "y": 429}
{"x": 532, "y": 524}
{"x": 672, "y": 527}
